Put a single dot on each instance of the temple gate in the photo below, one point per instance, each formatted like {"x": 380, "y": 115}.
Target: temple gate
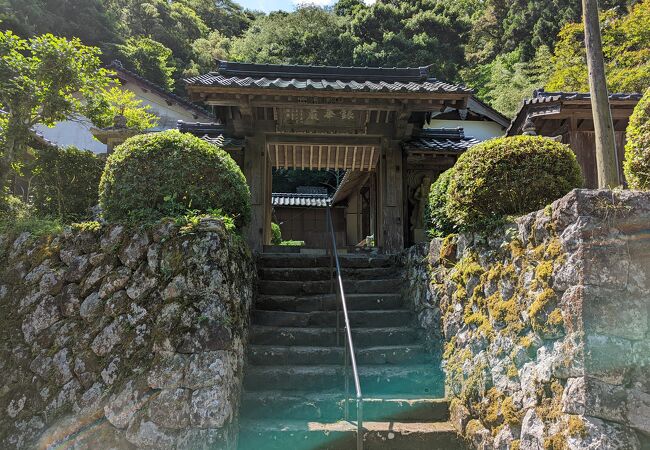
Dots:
{"x": 367, "y": 121}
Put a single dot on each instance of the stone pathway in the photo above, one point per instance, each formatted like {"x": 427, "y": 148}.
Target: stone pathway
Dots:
{"x": 294, "y": 379}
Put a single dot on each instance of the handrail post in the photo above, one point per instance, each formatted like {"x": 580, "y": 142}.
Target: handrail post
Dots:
{"x": 359, "y": 423}
{"x": 330, "y": 227}
{"x": 349, "y": 354}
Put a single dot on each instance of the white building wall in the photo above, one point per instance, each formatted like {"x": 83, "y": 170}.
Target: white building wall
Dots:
{"x": 78, "y": 134}
{"x": 72, "y": 133}
{"x": 481, "y": 130}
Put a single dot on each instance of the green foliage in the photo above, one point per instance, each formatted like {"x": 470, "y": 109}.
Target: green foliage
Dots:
{"x": 292, "y": 243}
{"x": 637, "y": 148}
{"x": 65, "y": 182}
{"x": 506, "y": 81}
{"x": 509, "y": 176}
{"x": 288, "y": 180}
{"x": 276, "y": 234}
{"x": 169, "y": 173}
{"x": 413, "y": 33}
{"x": 149, "y": 59}
{"x": 12, "y": 208}
{"x": 207, "y": 50}
{"x": 17, "y": 217}
{"x": 191, "y": 220}
{"x": 85, "y": 19}
{"x": 45, "y": 80}
{"x": 438, "y": 223}
{"x": 224, "y": 16}
{"x": 116, "y": 101}
{"x": 626, "y": 48}
{"x": 310, "y": 35}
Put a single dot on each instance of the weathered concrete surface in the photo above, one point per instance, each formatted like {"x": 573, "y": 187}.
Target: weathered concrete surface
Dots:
{"x": 546, "y": 324}
{"x": 115, "y": 338}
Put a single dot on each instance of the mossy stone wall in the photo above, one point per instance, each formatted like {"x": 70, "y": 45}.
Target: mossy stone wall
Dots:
{"x": 545, "y": 324}
{"x": 123, "y": 338}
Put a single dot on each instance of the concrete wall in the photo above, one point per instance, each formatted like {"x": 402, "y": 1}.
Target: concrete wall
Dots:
{"x": 545, "y": 324}
{"x": 117, "y": 338}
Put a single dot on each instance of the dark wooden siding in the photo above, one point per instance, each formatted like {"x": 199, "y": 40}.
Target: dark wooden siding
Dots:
{"x": 309, "y": 225}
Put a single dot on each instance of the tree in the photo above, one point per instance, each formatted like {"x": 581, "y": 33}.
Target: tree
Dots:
{"x": 173, "y": 24}
{"x": 85, "y": 19}
{"x": 224, "y": 16}
{"x": 148, "y": 58}
{"x": 209, "y": 49}
{"x": 626, "y": 47}
{"x": 310, "y": 35}
{"x": 506, "y": 82}
{"x": 45, "y": 79}
{"x": 116, "y": 101}
{"x": 416, "y": 33}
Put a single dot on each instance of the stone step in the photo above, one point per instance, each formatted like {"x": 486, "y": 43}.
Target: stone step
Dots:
{"x": 263, "y": 355}
{"x": 376, "y": 319}
{"x": 268, "y": 260}
{"x": 326, "y": 337}
{"x": 382, "y": 286}
{"x": 302, "y": 435}
{"x": 330, "y": 406}
{"x": 328, "y": 302}
{"x": 324, "y": 273}
{"x": 420, "y": 380}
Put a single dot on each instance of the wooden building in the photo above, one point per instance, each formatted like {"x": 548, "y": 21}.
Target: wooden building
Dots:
{"x": 367, "y": 121}
{"x": 569, "y": 115}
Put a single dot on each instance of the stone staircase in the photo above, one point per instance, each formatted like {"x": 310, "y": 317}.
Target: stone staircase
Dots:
{"x": 294, "y": 379}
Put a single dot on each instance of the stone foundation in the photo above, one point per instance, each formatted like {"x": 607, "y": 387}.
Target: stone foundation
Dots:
{"x": 117, "y": 338}
{"x": 545, "y": 324}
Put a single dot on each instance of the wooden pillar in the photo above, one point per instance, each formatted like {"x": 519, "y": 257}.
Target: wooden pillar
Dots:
{"x": 256, "y": 170}
{"x": 391, "y": 193}
{"x": 373, "y": 206}
{"x": 606, "y": 158}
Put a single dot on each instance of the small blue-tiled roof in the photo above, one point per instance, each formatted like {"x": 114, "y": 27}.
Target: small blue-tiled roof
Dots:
{"x": 299, "y": 200}
{"x": 448, "y": 140}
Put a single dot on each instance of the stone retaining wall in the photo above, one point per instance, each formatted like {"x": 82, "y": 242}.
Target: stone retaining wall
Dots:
{"x": 545, "y": 324}
{"x": 117, "y": 338}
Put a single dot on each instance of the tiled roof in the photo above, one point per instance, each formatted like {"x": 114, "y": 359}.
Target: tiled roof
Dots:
{"x": 119, "y": 68}
{"x": 300, "y": 200}
{"x": 213, "y": 133}
{"x": 541, "y": 96}
{"x": 448, "y": 140}
{"x": 324, "y": 78}
{"x": 555, "y": 99}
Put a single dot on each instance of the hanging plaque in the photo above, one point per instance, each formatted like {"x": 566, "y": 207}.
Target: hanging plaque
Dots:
{"x": 316, "y": 120}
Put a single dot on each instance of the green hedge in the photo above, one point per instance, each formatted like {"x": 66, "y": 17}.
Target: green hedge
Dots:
{"x": 509, "y": 176}
{"x": 167, "y": 174}
{"x": 438, "y": 222}
{"x": 637, "y": 148}
{"x": 64, "y": 183}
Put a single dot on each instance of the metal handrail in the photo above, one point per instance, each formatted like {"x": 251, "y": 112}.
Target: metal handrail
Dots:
{"x": 349, "y": 354}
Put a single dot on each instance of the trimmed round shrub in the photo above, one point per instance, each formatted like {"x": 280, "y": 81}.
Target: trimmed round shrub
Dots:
{"x": 509, "y": 176}
{"x": 637, "y": 148}
{"x": 168, "y": 174}
{"x": 276, "y": 234}
{"x": 438, "y": 222}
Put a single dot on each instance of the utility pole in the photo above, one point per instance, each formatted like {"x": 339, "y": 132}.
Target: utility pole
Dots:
{"x": 606, "y": 158}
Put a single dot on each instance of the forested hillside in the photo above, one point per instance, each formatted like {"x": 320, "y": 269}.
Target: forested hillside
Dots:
{"x": 502, "y": 48}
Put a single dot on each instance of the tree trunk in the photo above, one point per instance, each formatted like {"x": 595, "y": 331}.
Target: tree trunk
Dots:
{"x": 6, "y": 161}
{"x": 606, "y": 158}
